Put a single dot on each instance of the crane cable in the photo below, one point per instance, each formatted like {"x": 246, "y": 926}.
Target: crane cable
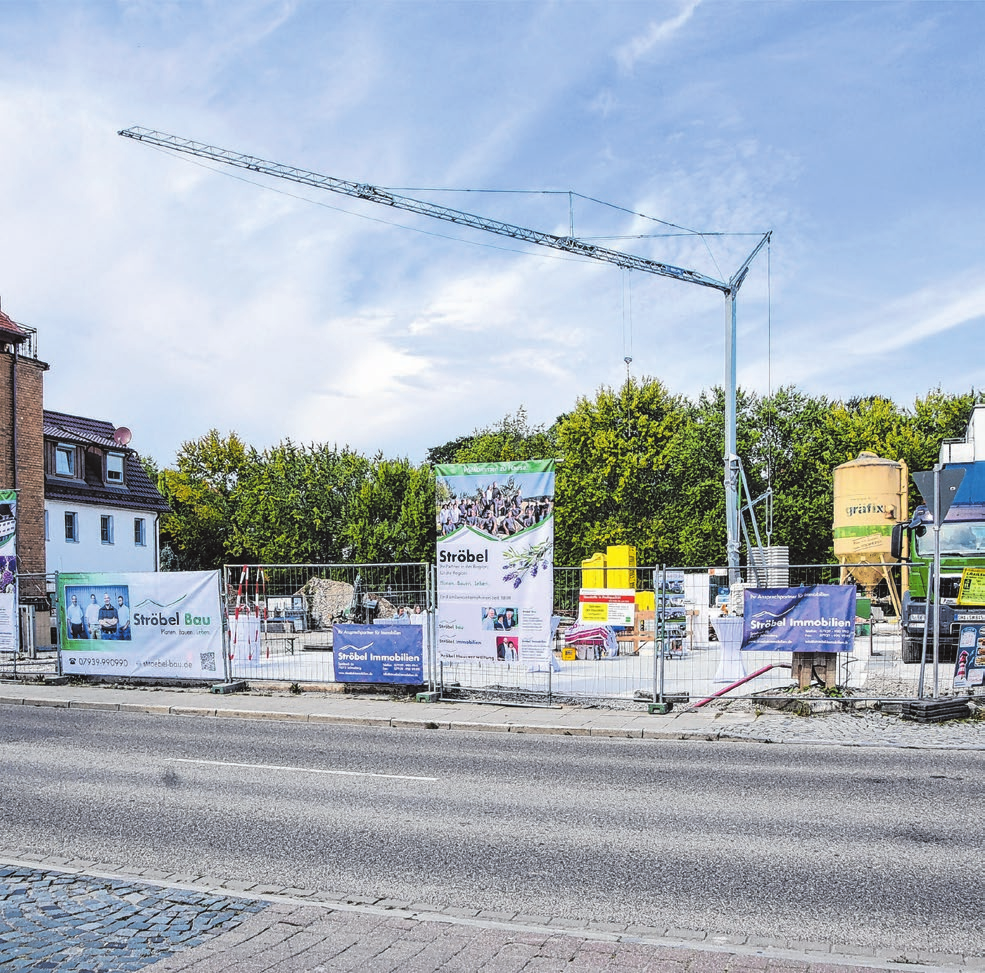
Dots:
{"x": 627, "y": 320}
{"x": 771, "y": 423}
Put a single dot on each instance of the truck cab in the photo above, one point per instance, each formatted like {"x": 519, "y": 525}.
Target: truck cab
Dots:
{"x": 962, "y": 545}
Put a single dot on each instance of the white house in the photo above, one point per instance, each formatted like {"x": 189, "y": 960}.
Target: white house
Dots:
{"x": 101, "y": 510}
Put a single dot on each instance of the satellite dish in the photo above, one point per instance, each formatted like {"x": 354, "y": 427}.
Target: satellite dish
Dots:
{"x": 122, "y": 436}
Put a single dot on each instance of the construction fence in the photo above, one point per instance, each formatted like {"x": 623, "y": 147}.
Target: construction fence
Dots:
{"x": 674, "y": 652}
{"x": 280, "y": 616}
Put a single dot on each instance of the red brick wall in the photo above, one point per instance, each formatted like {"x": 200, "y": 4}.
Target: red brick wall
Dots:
{"x": 30, "y": 454}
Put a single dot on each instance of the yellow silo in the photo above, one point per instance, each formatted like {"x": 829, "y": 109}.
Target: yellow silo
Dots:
{"x": 870, "y": 496}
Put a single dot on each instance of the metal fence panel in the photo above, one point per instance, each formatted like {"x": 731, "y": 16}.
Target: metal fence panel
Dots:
{"x": 280, "y": 616}
{"x": 591, "y": 676}
{"x": 679, "y": 655}
{"x": 296, "y": 605}
{"x": 35, "y": 655}
{"x": 874, "y": 669}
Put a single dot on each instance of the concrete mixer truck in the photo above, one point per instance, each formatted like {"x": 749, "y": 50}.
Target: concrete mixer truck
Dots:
{"x": 962, "y": 545}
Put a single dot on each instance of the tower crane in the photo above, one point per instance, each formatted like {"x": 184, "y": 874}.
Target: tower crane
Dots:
{"x": 567, "y": 244}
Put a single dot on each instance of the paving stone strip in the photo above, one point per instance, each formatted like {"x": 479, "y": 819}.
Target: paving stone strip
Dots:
{"x": 58, "y": 921}
{"x": 71, "y": 916}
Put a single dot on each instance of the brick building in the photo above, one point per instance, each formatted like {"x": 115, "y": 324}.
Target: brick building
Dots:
{"x": 84, "y": 502}
{"x": 22, "y": 447}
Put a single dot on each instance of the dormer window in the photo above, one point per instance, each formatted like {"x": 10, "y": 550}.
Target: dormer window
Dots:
{"x": 114, "y": 468}
{"x": 65, "y": 459}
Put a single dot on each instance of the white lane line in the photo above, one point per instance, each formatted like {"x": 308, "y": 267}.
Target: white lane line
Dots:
{"x": 302, "y": 770}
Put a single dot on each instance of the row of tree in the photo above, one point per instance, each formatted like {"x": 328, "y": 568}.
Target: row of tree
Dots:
{"x": 636, "y": 465}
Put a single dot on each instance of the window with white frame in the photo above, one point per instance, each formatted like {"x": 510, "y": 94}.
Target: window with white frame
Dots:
{"x": 106, "y": 528}
{"x": 47, "y": 531}
{"x": 139, "y": 532}
{"x": 71, "y": 527}
{"x": 114, "y": 468}
{"x": 64, "y": 459}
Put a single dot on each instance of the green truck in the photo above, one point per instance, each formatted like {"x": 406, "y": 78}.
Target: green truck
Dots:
{"x": 962, "y": 545}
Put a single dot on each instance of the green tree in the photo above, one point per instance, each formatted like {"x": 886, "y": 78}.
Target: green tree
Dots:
{"x": 151, "y": 468}
{"x": 695, "y": 470}
{"x": 292, "y": 504}
{"x": 200, "y": 491}
{"x": 510, "y": 439}
{"x": 612, "y": 482}
{"x": 793, "y": 459}
{"x": 391, "y": 517}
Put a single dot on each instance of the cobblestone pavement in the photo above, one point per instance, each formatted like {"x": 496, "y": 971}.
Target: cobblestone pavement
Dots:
{"x": 55, "y": 921}
{"x": 292, "y": 938}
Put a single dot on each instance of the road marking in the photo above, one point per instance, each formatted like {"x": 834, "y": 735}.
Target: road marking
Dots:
{"x": 303, "y": 770}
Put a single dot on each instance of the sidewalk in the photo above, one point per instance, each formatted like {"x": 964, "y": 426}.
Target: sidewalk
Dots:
{"x": 739, "y": 721}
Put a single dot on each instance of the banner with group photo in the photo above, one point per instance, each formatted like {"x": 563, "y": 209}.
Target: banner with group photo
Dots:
{"x": 151, "y": 625}
{"x": 8, "y": 571}
{"x": 495, "y": 525}
{"x": 814, "y": 618}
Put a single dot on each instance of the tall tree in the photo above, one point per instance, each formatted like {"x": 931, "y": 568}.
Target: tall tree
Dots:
{"x": 200, "y": 491}
{"x": 612, "y": 483}
{"x": 391, "y": 516}
{"x": 293, "y": 504}
{"x": 512, "y": 438}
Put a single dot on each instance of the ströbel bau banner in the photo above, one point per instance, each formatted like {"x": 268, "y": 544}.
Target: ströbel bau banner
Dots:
{"x": 151, "y": 625}
{"x": 814, "y": 618}
{"x": 495, "y": 526}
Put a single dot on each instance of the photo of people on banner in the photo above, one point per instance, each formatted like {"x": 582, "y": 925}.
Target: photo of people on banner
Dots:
{"x": 813, "y": 618}
{"x": 499, "y": 509}
{"x": 102, "y": 613}
{"x": 500, "y": 619}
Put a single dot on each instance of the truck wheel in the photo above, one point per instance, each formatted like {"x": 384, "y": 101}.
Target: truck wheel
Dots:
{"x": 911, "y": 649}
{"x": 947, "y": 652}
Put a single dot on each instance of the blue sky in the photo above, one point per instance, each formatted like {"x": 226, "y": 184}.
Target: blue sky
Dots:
{"x": 173, "y": 297}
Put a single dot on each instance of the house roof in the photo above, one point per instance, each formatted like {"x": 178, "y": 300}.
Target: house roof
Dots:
{"x": 76, "y": 429}
{"x": 11, "y": 330}
{"x": 137, "y": 493}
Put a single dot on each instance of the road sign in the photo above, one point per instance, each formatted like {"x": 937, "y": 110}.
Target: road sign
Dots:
{"x": 950, "y": 480}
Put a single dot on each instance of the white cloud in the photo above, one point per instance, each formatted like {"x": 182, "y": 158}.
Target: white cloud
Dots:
{"x": 657, "y": 33}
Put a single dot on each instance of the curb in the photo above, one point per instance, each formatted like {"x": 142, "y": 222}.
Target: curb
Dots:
{"x": 791, "y": 736}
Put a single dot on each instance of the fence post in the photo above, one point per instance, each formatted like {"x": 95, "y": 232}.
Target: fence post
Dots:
{"x": 430, "y": 583}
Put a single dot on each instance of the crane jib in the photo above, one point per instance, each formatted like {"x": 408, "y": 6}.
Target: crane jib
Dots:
{"x": 568, "y": 244}
{"x": 374, "y": 194}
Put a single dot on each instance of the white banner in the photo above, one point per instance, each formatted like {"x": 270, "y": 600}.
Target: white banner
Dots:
{"x": 495, "y": 560}
{"x": 8, "y": 572}
{"x": 154, "y": 625}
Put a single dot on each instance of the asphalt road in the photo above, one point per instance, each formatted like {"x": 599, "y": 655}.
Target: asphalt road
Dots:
{"x": 861, "y": 847}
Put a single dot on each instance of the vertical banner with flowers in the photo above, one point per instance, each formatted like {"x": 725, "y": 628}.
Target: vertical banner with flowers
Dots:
{"x": 8, "y": 571}
{"x": 495, "y": 526}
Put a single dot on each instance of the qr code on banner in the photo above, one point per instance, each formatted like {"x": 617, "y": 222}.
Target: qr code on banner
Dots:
{"x": 208, "y": 661}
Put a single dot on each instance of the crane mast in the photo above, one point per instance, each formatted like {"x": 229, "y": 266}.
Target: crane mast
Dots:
{"x": 566, "y": 244}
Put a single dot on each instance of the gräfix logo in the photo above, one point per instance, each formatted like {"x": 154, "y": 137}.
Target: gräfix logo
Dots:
{"x": 867, "y": 508}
